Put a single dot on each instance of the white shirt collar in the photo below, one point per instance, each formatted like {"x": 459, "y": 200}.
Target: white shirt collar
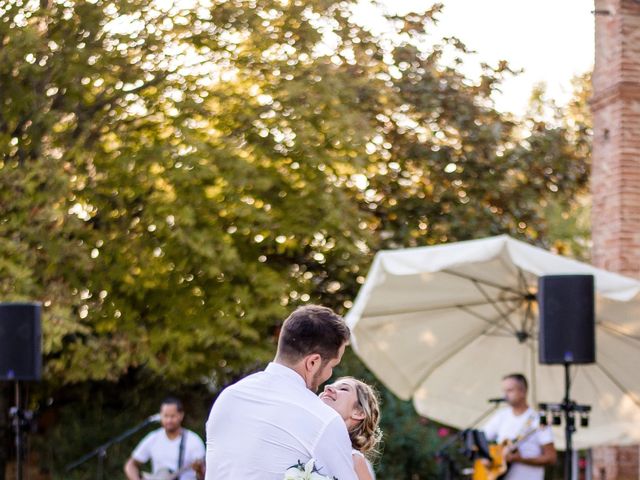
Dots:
{"x": 283, "y": 371}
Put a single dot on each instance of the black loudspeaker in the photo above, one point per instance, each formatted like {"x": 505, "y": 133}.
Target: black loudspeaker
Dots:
{"x": 567, "y": 319}
{"x": 20, "y": 341}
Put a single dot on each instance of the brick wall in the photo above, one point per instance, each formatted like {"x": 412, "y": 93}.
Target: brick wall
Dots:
{"x": 616, "y": 142}
{"x": 616, "y": 172}
{"x": 619, "y": 463}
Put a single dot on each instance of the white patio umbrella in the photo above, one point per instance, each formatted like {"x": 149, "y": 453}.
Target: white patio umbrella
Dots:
{"x": 442, "y": 325}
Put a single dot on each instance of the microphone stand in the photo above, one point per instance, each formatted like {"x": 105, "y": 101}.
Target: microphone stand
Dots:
{"x": 448, "y": 470}
{"x": 101, "y": 451}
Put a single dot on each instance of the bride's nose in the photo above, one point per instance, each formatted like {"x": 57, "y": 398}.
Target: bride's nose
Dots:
{"x": 329, "y": 388}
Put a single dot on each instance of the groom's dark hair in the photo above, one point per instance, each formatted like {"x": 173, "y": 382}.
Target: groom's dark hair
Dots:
{"x": 312, "y": 329}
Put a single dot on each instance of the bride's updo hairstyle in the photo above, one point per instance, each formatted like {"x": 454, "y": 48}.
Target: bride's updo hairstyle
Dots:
{"x": 366, "y": 435}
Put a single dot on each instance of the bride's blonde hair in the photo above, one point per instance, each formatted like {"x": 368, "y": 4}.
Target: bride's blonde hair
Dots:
{"x": 366, "y": 435}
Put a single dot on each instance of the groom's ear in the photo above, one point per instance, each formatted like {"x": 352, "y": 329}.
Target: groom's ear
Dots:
{"x": 313, "y": 362}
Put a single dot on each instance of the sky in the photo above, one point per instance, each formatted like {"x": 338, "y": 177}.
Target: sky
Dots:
{"x": 552, "y": 40}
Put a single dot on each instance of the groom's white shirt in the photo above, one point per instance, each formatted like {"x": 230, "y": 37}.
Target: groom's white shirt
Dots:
{"x": 269, "y": 421}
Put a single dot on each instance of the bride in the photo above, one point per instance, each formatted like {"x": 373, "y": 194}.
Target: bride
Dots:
{"x": 358, "y": 405}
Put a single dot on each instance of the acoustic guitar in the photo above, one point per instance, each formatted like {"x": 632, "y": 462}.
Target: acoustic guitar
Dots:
{"x": 497, "y": 468}
{"x": 165, "y": 474}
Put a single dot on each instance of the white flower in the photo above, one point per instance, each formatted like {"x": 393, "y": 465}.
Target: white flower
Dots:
{"x": 305, "y": 472}
{"x": 317, "y": 476}
{"x": 294, "y": 473}
{"x": 308, "y": 468}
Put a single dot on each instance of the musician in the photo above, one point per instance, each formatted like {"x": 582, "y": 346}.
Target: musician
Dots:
{"x": 171, "y": 448}
{"x": 520, "y": 423}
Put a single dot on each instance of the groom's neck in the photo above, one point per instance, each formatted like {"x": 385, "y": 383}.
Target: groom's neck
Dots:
{"x": 282, "y": 361}
{"x": 296, "y": 367}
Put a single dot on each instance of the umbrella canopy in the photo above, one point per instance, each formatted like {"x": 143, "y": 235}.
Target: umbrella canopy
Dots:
{"x": 442, "y": 325}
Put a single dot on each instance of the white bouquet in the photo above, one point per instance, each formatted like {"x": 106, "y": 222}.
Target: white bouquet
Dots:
{"x": 305, "y": 472}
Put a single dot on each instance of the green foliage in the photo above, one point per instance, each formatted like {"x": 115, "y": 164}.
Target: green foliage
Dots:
{"x": 568, "y": 221}
{"x": 174, "y": 178}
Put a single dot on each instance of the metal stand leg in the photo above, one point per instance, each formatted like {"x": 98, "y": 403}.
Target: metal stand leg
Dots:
{"x": 17, "y": 421}
{"x": 569, "y": 425}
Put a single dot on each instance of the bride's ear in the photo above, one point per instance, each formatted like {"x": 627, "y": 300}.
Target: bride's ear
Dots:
{"x": 358, "y": 415}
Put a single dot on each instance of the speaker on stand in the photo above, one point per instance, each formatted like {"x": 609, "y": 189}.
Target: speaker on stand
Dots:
{"x": 20, "y": 360}
{"x": 567, "y": 337}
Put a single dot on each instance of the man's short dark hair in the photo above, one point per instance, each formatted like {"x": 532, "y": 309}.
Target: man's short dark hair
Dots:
{"x": 518, "y": 377}
{"x": 312, "y": 329}
{"x": 173, "y": 401}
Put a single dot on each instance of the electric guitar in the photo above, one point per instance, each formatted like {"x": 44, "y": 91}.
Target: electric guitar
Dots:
{"x": 497, "y": 468}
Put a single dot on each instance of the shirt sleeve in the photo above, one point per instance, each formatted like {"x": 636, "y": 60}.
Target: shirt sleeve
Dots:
{"x": 198, "y": 447}
{"x": 142, "y": 453}
{"x": 545, "y": 436}
{"x": 333, "y": 451}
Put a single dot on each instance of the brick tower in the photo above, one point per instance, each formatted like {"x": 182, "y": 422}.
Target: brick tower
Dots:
{"x": 616, "y": 139}
{"x": 616, "y": 172}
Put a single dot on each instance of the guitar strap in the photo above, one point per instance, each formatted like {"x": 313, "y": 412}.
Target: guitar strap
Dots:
{"x": 181, "y": 451}
{"x": 526, "y": 428}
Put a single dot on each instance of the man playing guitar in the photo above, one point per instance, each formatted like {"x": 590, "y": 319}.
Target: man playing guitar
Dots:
{"x": 175, "y": 452}
{"x": 520, "y": 424}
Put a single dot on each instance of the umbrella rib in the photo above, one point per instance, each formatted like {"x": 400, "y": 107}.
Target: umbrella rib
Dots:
{"x": 391, "y": 361}
{"x": 510, "y": 266}
{"x": 525, "y": 317}
{"x": 617, "y": 383}
{"x": 533, "y": 377}
{"x": 463, "y": 344}
{"x": 612, "y": 329}
{"x": 504, "y": 316}
{"x": 528, "y": 315}
{"x": 487, "y": 320}
{"x": 523, "y": 281}
{"x": 590, "y": 379}
{"x": 484, "y": 282}
{"x": 445, "y": 307}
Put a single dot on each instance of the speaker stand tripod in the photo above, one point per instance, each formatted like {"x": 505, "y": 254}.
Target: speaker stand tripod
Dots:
{"x": 20, "y": 422}
{"x": 569, "y": 410}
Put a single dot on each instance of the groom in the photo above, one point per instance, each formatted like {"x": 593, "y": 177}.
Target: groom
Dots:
{"x": 272, "y": 419}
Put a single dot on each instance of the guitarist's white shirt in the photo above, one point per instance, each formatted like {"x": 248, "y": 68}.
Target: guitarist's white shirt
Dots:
{"x": 504, "y": 425}
{"x": 163, "y": 452}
